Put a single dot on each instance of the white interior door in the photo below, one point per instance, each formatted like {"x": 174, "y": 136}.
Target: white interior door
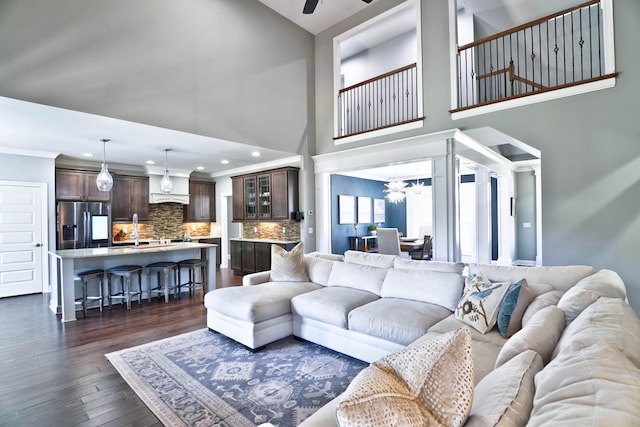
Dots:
{"x": 21, "y": 238}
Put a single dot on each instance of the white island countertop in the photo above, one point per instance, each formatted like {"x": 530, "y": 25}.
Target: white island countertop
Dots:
{"x": 279, "y": 242}
{"x": 127, "y": 250}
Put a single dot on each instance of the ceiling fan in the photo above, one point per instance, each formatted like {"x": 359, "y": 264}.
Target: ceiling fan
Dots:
{"x": 310, "y": 6}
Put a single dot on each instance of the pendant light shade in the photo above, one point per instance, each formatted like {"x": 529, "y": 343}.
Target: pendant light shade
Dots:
{"x": 166, "y": 185}
{"x": 395, "y": 190}
{"x": 104, "y": 180}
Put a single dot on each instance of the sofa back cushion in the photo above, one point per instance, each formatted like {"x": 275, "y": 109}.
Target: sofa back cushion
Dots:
{"x": 370, "y": 259}
{"x": 410, "y": 264}
{"x": 357, "y": 276}
{"x": 609, "y": 321}
{"x": 605, "y": 283}
{"x": 435, "y": 287}
{"x": 592, "y": 386}
{"x": 541, "y": 335}
{"x": 560, "y": 277}
{"x": 319, "y": 269}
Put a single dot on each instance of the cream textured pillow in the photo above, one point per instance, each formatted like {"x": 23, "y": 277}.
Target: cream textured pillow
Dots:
{"x": 288, "y": 266}
{"x": 505, "y": 396}
{"x": 428, "y": 384}
{"x": 480, "y": 303}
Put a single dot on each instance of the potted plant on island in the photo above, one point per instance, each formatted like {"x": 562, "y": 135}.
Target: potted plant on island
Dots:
{"x": 372, "y": 229}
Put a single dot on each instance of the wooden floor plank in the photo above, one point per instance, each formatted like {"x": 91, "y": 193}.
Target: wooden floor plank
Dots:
{"x": 54, "y": 373}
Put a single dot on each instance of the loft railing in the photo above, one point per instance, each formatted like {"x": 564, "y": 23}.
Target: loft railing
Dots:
{"x": 554, "y": 52}
{"x": 387, "y": 100}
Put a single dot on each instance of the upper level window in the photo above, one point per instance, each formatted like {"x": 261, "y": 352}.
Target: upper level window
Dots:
{"x": 377, "y": 73}
{"x": 528, "y": 48}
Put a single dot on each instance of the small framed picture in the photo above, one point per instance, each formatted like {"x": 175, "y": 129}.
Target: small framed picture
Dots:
{"x": 346, "y": 209}
{"x": 378, "y": 210}
{"x": 364, "y": 210}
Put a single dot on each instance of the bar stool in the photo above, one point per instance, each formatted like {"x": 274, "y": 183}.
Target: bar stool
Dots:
{"x": 192, "y": 265}
{"x": 84, "y": 277}
{"x": 163, "y": 268}
{"x": 125, "y": 272}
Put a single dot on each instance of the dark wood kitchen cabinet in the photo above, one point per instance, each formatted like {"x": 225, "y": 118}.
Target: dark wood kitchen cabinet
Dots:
{"x": 249, "y": 256}
{"x": 270, "y": 195}
{"x": 130, "y": 194}
{"x": 202, "y": 202}
{"x": 77, "y": 185}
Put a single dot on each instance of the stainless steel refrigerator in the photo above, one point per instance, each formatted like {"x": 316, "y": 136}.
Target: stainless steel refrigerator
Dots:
{"x": 83, "y": 225}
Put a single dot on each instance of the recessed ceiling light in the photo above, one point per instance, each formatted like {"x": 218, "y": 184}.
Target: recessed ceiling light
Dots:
{"x": 200, "y": 168}
{"x": 150, "y": 162}
{"x": 255, "y": 154}
{"x": 87, "y": 154}
{"x": 224, "y": 162}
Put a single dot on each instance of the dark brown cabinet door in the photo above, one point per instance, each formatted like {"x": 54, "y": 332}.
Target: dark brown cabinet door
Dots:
{"x": 263, "y": 256}
{"x": 248, "y": 258}
{"x": 130, "y": 195}
{"x": 285, "y": 193}
{"x": 236, "y": 256}
{"x": 237, "y": 190}
{"x": 79, "y": 186}
{"x": 202, "y": 205}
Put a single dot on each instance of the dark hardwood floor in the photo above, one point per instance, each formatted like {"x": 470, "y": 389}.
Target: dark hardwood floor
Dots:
{"x": 55, "y": 374}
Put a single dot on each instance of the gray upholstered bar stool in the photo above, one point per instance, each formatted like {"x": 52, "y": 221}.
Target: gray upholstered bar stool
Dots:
{"x": 85, "y": 277}
{"x": 163, "y": 269}
{"x": 124, "y": 272}
{"x": 192, "y": 265}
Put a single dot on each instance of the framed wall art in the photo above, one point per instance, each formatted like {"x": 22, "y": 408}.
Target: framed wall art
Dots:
{"x": 346, "y": 209}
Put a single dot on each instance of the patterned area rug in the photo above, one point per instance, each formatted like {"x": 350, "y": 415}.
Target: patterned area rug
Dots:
{"x": 203, "y": 378}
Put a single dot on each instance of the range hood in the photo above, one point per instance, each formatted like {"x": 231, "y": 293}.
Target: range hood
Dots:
{"x": 180, "y": 193}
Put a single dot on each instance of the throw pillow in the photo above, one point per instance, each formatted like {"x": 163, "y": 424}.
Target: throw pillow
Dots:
{"x": 288, "y": 266}
{"x": 428, "y": 384}
{"x": 505, "y": 396}
{"x": 515, "y": 302}
{"x": 480, "y": 303}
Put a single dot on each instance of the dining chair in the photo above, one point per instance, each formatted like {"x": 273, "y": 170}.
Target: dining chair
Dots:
{"x": 388, "y": 241}
{"x": 426, "y": 252}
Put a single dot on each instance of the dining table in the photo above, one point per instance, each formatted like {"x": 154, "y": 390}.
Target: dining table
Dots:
{"x": 409, "y": 244}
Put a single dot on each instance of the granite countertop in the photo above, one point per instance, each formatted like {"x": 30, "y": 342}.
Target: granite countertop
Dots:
{"x": 282, "y": 242}
{"x": 131, "y": 241}
{"x": 127, "y": 250}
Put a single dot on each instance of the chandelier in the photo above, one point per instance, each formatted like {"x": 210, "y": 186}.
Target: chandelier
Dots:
{"x": 395, "y": 190}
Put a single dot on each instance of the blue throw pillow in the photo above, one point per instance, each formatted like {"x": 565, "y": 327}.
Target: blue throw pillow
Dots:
{"x": 512, "y": 308}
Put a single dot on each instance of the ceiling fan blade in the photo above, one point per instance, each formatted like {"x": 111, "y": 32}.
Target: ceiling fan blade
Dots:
{"x": 309, "y": 6}
{"x": 367, "y": 1}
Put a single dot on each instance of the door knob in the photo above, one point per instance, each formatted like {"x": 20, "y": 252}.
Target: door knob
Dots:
{"x": 37, "y": 245}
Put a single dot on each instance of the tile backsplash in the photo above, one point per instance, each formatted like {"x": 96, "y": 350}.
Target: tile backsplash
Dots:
{"x": 165, "y": 220}
{"x": 271, "y": 230}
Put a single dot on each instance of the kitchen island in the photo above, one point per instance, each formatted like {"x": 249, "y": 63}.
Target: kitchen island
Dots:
{"x": 65, "y": 262}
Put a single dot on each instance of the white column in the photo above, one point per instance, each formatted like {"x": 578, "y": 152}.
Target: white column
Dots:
{"x": 446, "y": 245}
{"x": 483, "y": 215}
{"x": 506, "y": 220}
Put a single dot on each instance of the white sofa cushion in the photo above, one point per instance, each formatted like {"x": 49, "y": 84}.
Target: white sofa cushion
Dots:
{"x": 505, "y": 396}
{"x": 609, "y": 321}
{"x": 560, "y": 277}
{"x": 444, "y": 266}
{"x": 288, "y": 266}
{"x": 319, "y": 269}
{"x": 414, "y": 386}
{"x": 603, "y": 283}
{"x": 434, "y": 287}
{"x": 256, "y": 303}
{"x": 369, "y": 258}
{"x": 331, "y": 304}
{"x": 541, "y": 334}
{"x": 396, "y": 320}
{"x": 592, "y": 386}
{"x": 541, "y": 301}
{"x": 357, "y": 276}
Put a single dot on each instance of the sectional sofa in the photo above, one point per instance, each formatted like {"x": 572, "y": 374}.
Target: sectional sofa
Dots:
{"x": 548, "y": 345}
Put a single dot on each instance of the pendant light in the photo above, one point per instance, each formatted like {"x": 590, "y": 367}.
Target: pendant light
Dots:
{"x": 104, "y": 180}
{"x": 395, "y": 190}
{"x": 166, "y": 185}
